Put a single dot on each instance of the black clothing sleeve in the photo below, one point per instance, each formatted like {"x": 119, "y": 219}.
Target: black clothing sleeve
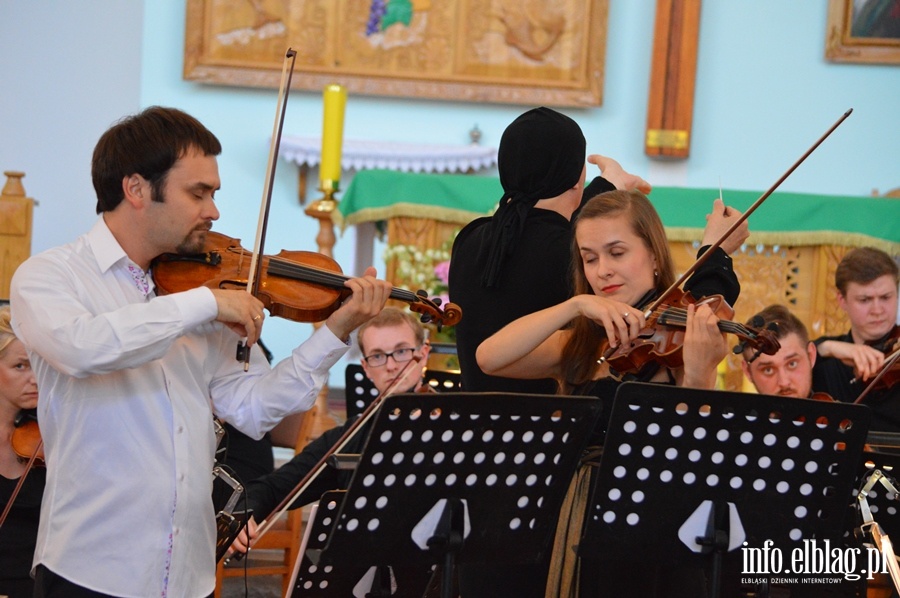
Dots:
{"x": 265, "y": 493}
{"x": 715, "y": 276}
{"x": 596, "y": 187}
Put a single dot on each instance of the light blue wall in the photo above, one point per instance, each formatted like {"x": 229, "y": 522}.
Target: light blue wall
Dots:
{"x": 764, "y": 93}
{"x": 67, "y": 71}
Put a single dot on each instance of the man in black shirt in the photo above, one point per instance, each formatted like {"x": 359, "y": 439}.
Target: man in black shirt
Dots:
{"x": 866, "y": 281}
{"x": 388, "y": 342}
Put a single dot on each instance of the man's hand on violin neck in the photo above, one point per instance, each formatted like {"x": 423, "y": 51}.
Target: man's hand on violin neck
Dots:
{"x": 240, "y": 311}
{"x": 367, "y": 299}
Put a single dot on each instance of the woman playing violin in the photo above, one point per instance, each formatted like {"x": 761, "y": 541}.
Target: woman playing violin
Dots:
{"x": 620, "y": 253}
{"x": 18, "y": 534}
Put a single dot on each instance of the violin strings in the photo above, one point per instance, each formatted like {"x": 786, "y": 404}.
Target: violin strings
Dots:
{"x": 675, "y": 315}
{"x": 297, "y": 271}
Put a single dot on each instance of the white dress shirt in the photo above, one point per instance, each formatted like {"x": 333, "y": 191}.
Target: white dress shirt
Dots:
{"x": 128, "y": 385}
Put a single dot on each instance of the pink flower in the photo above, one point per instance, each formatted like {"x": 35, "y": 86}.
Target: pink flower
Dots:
{"x": 442, "y": 271}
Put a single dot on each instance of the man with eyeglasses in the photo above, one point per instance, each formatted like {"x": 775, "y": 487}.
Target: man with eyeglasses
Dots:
{"x": 388, "y": 342}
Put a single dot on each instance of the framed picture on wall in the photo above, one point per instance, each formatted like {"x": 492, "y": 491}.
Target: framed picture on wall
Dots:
{"x": 865, "y": 31}
{"x": 506, "y": 51}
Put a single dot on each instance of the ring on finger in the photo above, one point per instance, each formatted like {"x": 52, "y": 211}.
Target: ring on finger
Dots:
{"x": 257, "y": 317}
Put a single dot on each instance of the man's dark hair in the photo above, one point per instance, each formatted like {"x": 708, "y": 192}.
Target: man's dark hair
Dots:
{"x": 785, "y": 322}
{"x": 148, "y": 143}
{"x": 863, "y": 265}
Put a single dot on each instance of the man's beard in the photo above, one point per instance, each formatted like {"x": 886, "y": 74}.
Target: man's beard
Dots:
{"x": 193, "y": 243}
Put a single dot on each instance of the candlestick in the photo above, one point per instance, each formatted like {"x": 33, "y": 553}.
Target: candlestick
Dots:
{"x": 334, "y": 100}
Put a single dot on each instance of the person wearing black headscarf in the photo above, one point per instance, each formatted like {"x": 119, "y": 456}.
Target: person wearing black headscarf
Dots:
{"x": 516, "y": 262}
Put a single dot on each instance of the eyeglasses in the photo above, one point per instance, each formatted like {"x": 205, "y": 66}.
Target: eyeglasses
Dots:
{"x": 402, "y": 355}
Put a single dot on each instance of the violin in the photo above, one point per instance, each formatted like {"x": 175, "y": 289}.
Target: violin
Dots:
{"x": 662, "y": 338}
{"x": 888, "y": 343}
{"x": 890, "y": 370}
{"x": 886, "y": 378}
{"x": 27, "y": 444}
{"x": 302, "y": 286}
{"x": 26, "y": 438}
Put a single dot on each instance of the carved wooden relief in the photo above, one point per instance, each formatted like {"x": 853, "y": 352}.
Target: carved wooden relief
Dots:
{"x": 511, "y": 51}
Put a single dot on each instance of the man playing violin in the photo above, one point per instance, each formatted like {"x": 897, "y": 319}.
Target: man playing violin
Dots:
{"x": 129, "y": 380}
{"x": 388, "y": 342}
{"x": 866, "y": 281}
{"x": 787, "y": 373}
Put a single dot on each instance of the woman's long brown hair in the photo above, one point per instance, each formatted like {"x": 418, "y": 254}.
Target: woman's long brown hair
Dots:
{"x": 583, "y": 348}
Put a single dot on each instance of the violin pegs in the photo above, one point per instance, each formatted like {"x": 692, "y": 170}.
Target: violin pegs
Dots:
{"x": 739, "y": 348}
{"x": 437, "y": 300}
{"x": 422, "y": 293}
{"x": 755, "y": 356}
{"x": 757, "y": 321}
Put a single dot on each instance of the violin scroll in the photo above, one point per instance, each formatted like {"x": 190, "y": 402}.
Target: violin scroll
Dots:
{"x": 662, "y": 338}
{"x": 431, "y": 310}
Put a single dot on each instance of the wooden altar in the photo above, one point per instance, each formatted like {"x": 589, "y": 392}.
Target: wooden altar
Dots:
{"x": 790, "y": 257}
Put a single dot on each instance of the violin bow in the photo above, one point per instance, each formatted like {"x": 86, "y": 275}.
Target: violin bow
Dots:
{"x": 348, "y": 435}
{"x": 255, "y": 273}
{"x": 28, "y": 467}
{"x": 693, "y": 268}
{"x": 885, "y": 367}
{"x": 745, "y": 215}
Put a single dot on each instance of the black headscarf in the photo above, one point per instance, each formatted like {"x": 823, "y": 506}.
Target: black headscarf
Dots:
{"x": 541, "y": 156}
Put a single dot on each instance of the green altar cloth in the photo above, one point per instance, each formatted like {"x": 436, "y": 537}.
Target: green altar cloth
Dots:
{"x": 784, "y": 218}
{"x": 381, "y": 194}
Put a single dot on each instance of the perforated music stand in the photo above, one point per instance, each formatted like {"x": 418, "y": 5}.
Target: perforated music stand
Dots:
{"x": 351, "y": 578}
{"x": 687, "y": 475}
{"x": 359, "y": 391}
{"x": 461, "y": 477}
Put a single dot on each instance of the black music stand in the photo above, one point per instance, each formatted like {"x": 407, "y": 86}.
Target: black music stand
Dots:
{"x": 461, "y": 477}
{"x": 359, "y": 391}
{"x": 350, "y": 578}
{"x": 688, "y": 475}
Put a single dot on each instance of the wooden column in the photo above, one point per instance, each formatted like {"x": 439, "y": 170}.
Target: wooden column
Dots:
{"x": 15, "y": 228}
{"x": 672, "y": 77}
{"x": 321, "y": 210}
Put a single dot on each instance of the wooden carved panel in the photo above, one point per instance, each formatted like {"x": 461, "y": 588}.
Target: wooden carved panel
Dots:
{"x": 511, "y": 51}
{"x": 802, "y": 278}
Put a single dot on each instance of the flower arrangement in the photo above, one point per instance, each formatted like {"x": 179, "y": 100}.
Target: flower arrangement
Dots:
{"x": 424, "y": 269}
